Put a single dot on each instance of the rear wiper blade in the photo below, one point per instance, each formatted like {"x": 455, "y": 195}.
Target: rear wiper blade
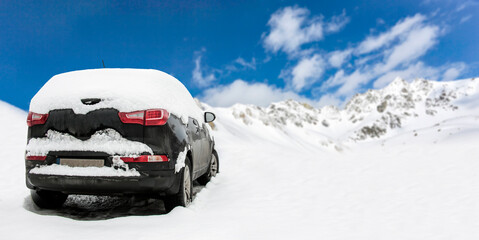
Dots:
{"x": 91, "y": 101}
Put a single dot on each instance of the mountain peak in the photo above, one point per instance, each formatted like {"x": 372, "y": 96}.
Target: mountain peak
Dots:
{"x": 371, "y": 114}
{"x": 398, "y": 81}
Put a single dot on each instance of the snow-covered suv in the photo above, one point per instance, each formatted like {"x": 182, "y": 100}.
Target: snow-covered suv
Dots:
{"x": 117, "y": 132}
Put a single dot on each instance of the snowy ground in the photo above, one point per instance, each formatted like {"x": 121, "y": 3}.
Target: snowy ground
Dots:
{"x": 276, "y": 186}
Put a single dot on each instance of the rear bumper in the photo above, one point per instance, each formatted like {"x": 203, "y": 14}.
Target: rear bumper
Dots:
{"x": 156, "y": 179}
{"x": 155, "y": 183}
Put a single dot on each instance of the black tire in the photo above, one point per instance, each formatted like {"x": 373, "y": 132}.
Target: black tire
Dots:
{"x": 185, "y": 195}
{"x": 213, "y": 169}
{"x": 48, "y": 199}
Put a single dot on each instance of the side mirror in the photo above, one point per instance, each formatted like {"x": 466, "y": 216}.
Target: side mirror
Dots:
{"x": 209, "y": 117}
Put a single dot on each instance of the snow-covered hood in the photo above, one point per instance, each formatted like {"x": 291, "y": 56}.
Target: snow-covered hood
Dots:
{"x": 123, "y": 89}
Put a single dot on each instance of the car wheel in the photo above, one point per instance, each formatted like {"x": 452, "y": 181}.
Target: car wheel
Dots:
{"x": 213, "y": 169}
{"x": 185, "y": 195}
{"x": 48, "y": 199}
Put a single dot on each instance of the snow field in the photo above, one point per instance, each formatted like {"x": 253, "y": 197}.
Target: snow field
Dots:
{"x": 282, "y": 184}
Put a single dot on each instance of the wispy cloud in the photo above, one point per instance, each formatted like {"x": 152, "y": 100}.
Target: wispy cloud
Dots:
{"x": 332, "y": 77}
{"x": 240, "y": 91}
{"x": 376, "y": 60}
{"x": 465, "y": 18}
{"x": 337, "y": 23}
{"x": 199, "y": 77}
{"x": 465, "y": 5}
{"x": 291, "y": 27}
{"x": 415, "y": 44}
{"x": 390, "y": 51}
{"x": 350, "y": 83}
{"x": 251, "y": 64}
{"x": 373, "y": 43}
{"x": 328, "y": 100}
{"x": 338, "y": 58}
{"x": 453, "y": 71}
{"x": 308, "y": 71}
{"x": 418, "y": 70}
{"x": 382, "y": 57}
{"x": 380, "y": 21}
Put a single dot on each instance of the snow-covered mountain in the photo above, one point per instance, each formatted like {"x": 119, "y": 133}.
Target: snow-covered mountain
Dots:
{"x": 395, "y": 163}
{"x": 373, "y": 115}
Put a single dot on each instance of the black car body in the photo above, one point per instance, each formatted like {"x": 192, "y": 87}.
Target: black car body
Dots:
{"x": 158, "y": 173}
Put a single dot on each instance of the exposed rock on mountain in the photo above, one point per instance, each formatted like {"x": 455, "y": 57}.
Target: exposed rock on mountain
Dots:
{"x": 369, "y": 115}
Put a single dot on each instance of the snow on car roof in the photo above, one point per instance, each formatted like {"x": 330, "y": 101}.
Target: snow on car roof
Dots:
{"x": 123, "y": 89}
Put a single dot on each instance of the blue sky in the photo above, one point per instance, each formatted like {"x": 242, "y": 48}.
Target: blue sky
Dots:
{"x": 256, "y": 52}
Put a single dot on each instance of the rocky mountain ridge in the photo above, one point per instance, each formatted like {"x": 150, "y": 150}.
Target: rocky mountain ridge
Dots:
{"x": 367, "y": 115}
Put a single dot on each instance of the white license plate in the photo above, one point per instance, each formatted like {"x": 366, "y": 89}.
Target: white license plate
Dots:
{"x": 77, "y": 162}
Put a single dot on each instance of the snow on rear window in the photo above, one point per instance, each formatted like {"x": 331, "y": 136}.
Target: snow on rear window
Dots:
{"x": 126, "y": 90}
{"x": 108, "y": 141}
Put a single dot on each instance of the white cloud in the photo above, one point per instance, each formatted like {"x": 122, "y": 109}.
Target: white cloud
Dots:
{"x": 448, "y": 72}
{"x": 368, "y": 58}
{"x": 245, "y": 64}
{"x": 454, "y": 71}
{"x": 401, "y": 45}
{"x": 419, "y": 70}
{"x": 352, "y": 82}
{"x": 415, "y": 45}
{"x": 329, "y": 99}
{"x": 337, "y": 22}
{"x": 334, "y": 81}
{"x": 198, "y": 78}
{"x": 376, "y": 60}
{"x": 348, "y": 83}
{"x": 338, "y": 58}
{"x": 465, "y": 18}
{"x": 308, "y": 71}
{"x": 291, "y": 27}
{"x": 260, "y": 94}
{"x": 465, "y": 5}
{"x": 373, "y": 43}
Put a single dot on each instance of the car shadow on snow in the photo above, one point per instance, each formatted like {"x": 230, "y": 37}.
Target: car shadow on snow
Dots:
{"x": 85, "y": 207}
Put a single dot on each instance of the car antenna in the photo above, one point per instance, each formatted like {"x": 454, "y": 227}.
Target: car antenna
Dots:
{"x": 103, "y": 63}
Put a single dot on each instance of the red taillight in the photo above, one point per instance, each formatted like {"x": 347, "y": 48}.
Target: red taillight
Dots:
{"x": 35, "y": 118}
{"x": 132, "y": 117}
{"x": 36, "y": 158}
{"x": 152, "y": 117}
{"x": 156, "y": 117}
{"x": 146, "y": 158}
